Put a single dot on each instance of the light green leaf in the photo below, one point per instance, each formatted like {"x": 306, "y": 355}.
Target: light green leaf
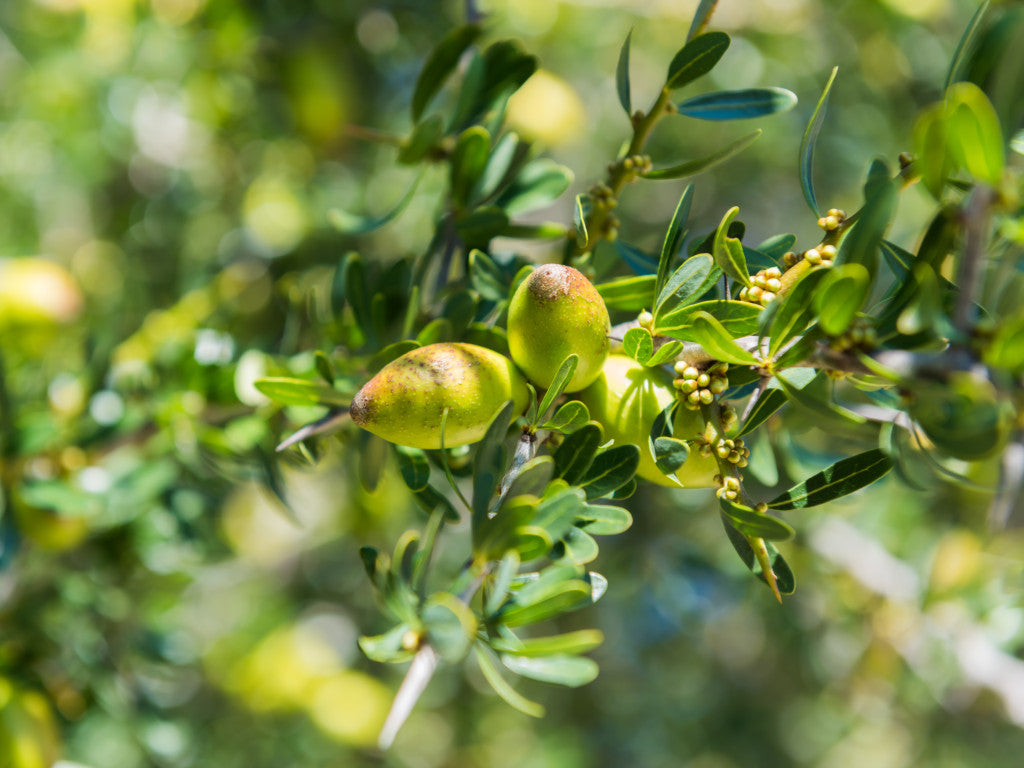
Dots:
{"x": 638, "y": 344}
{"x": 840, "y": 296}
{"x": 693, "y": 167}
{"x": 711, "y": 335}
{"x": 571, "y": 671}
{"x": 501, "y": 686}
{"x": 728, "y": 251}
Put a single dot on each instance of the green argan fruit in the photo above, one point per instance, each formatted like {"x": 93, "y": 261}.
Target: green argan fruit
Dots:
{"x": 405, "y": 401}
{"x": 556, "y": 312}
{"x": 626, "y": 398}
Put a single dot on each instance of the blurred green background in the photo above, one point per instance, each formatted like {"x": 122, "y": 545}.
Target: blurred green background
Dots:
{"x": 174, "y": 594}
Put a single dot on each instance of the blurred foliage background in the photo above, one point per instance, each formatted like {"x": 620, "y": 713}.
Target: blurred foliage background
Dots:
{"x": 172, "y": 594}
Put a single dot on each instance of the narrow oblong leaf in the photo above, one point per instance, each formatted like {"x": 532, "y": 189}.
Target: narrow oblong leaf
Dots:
{"x": 862, "y": 244}
{"x": 695, "y": 59}
{"x": 630, "y": 294}
{"x": 738, "y": 105}
{"x": 956, "y": 64}
{"x": 794, "y": 312}
{"x": 501, "y": 686}
{"x": 558, "y": 384}
{"x": 486, "y": 277}
{"x": 688, "y": 283}
{"x": 752, "y": 523}
{"x": 842, "y": 478}
{"x": 538, "y": 184}
{"x": 439, "y": 65}
{"x": 570, "y": 671}
{"x": 353, "y": 224}
{"x": 728, "y": 251}
{"x": 605, "y": 519}
{"x": 572, "y": 643}
{"x": 771, "y": 400}
{"x": 414, "y": 466}
{"x": 701, "y": 18}
{"x": 840, "y": 296}
{"x": 289, "y": 391}
{"x": 664, "y": 354}
{"x": 739, "y": 318}
{"x": 580, "y": 211}
{"x": 574, "y": 455}
{"x": 808, "y": 142}
{"x": 673, "y": 237}
{"x": 640, "y": 262}
{"x": 711, "y": 335}
{"x": 622, "y": 76}
{"x": 489, "y": 462}
{"x": 693, "y": 167}
{"x": 568, "y": 418}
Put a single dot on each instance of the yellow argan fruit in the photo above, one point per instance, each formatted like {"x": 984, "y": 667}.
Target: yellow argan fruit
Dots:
{"x": 405, "y": 401}
{"x": 556, "y": 312}
{"x": 626, "y": 399}
{"x": 36, "y": 291}
{"x": 28, "y": 733}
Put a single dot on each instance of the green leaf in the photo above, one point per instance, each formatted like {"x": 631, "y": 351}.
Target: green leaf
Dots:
{"x": 558, "y": 384}
{"x": 450, "y": 624}
{"x": 568, "y": 418}
{"x": 415, "y": 469}
{"x": 439, "y": 64}
{"x": 480, "y": 226}
{"x": 387, "y": 648}
{"x": 501, "y": 686}
{"x": 1006, "y": 349}
{"x": 752, "y": 523}
{"x": 840, "y": 479}
{"x": 973, "y": 133}
{"x": 357, "y": 295}
{"x": 711, "y": 335}
{"x": 423, "y": 138}
{"x": 629, "y": 294}
{"x": 500, "y": 581}
{"x": 533, "y": 478}
{"x": 610, "y": 470}
{"x": 808, "y": 142}
{"x": 794, "y": 311}
{"x": 695, "y": 59}
{"x": 580, "y": 211}
{"x": 666, "y": 353}
{"x": 571, "y": 671}
{"x": 738, "y": 105}
{"x": 538, "y": 184}
{"x": 673, "y": 237}
{"x": 622, "y": 76}
{"x": 577, "y": 546}
{"x": 489, "y": 462}
{"x": 777, "y": 246}
{"x": 324, "y": 367}
{"x": 670, "y": 453}
{"x": 783, "y": 574}
{"x": 728, "y": 251}
{"x": 962, "y": 416}
{"x": 468, "y": 161}
{"x": 840, "y": 296}
{"x": 605, "y": 519}
{"x": 288, "y": 391}
{"x": 354, "y": 224}
{"x": 639, "y": 261}
{"x": 569, "y": 643}
{"x": 391, "y": 352}
{"x": 430, "y": 499}
{"x": 638, "y": 344}
{"x": 861, "y": 245}
{"x": 739, "y": 318}
{"x": 701, "y": 18}
{"x": 557, "y": 599}
{"x": 693, "y": 167}
{"x": 771, "y": 400}
{"x": 436, "y": 331}
{"x": 692, "y": 280}
{"x": 486, "y": 277}
{"x": 958, "y": 63}
{"x": 574, "y": 455}
{"x": 932, "y": 161}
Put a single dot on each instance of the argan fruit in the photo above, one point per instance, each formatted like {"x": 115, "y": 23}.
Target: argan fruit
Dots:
{"x": 404, "y": 403}
{"x": 626, "y": 398}
{"x": 556, "y": 312}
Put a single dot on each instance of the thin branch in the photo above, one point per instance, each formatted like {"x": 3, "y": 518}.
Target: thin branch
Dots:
{"x": 975, "y": 217}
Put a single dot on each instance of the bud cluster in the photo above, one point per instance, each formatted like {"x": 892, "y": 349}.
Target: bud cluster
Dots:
{"x": 637, "y": 164}
{"x": 832, "y": 220}
{"x": 728, "y": 488}
{"x": 733, "y": 451}
{"x": 860, "y": 335}
{"x": 822, "y": 255}
{"x": 700, "y": 387}
{"x": 766, "y": 285}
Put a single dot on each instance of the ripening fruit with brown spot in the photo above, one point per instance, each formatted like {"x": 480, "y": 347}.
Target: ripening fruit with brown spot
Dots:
{"x": 556, "y": 312}
{"x": 405, "y": 402}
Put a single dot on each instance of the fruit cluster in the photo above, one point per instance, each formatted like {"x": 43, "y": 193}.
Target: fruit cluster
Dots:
{"x": 766, "y": 285}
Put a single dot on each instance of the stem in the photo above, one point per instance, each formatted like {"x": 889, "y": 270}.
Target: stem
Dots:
{"x": 422, "y": 669}
{"x": 975, "y": 218}
{"x": 8, "y": 434}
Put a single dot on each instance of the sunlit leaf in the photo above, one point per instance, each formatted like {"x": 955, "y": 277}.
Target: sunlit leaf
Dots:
{"x": 809, "y": 141}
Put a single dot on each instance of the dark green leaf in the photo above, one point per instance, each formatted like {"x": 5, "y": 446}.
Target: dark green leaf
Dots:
{"x": 695, "y": 59}
{"x": 840, "y": 296}
{"x": 840, "y": 479}
{"x": 670, "y": 454}
{"x": 300, "y": 392}
{"x": 630, "y": 294}
{"x": 539, "y": 183}
{"x": 738, "y": 105}
{"x": 794, "y": 311}
{"x": 957, "y": 63}
{"x": 728, "y": 251}
{"x": 610, "y": 470}
{"x": 638, "y": 344}
{"x": 718, "y": 342}
{"x": 673, "y": 238}
{"x": 489, "y": 462}
{"x": 415, "y": 469}
{"x": 808, "y": 142}
{"x": 574, "y": 455}
{"x": 439, "y": 64}
{"x": 501, "y": 686}
{"x": 688, "y": 283}
{"x": 478, "y": 227}
{"x": 640, "y": 262}
{"x": 693, "y": 167}
{"x": 429, "y": 499}
{"x": 622, "y": 77}
{"x": 486, "y": 277}
{"x": 424, "y": 137}
{"x": 357, "y": 295}
{"x": 777, "y": 246}
{"x": 468, "y": 161}
{"x": 768, "y": 403}
{"x": 571, "y": 671}
{"x": 558, "y": 598}
{"x": 860, "y": 246}
{"x": 752, "y": 523}
{"x": 580, "y": 211}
